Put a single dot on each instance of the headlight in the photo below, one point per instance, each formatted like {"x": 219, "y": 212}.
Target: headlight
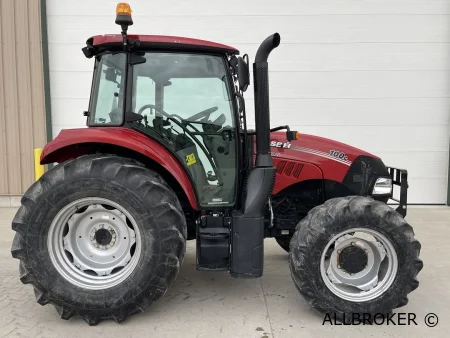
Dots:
{"x": 383, "y": 186}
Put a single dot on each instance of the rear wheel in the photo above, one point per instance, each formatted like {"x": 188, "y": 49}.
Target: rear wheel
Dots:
{"x": 99, "y": 237}
{"x": 354, "y": 255}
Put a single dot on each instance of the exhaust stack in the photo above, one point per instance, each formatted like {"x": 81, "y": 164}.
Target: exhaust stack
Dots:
{"x": 261, "y": 89}
{"x": 247, "y": 242}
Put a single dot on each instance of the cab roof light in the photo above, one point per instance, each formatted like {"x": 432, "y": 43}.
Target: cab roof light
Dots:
{"x": 123, "y": 9}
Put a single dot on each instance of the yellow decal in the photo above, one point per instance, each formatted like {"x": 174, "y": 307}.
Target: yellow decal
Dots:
{"x": 190, "y": 159}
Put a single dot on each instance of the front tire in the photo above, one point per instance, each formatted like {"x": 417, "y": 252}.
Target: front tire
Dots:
{"x": 99, "y": 237}
{"x": 361, "y": 276}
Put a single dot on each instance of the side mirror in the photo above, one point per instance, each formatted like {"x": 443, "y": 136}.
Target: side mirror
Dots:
{"x": 243, "y": 73}
{"x": 110, "y": 75}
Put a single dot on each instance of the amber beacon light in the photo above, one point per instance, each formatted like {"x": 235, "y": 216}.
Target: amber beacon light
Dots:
{"x": 123, "y": 9}
{"x": 123, "y": 15}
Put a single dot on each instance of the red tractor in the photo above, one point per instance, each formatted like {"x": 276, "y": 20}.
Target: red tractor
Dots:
{"x": 168, "y": 157}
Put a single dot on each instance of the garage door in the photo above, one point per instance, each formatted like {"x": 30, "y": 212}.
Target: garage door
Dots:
{"x": 373, "y": 74}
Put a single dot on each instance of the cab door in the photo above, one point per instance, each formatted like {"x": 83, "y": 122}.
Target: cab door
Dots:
{"x": 192, "y": 112}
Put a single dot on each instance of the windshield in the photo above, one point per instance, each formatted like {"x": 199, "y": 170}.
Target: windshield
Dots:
{"x": 107, "y": 97}
{"x": 185, "y": 101}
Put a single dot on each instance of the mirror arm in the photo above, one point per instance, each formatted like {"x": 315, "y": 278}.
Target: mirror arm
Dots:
{"x": 290, "y": 135}
{"x": 272, "y": 130}
{"x": 280, "y": 128}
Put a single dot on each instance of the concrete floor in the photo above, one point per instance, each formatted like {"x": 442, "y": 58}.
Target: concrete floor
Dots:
{"x": 206, "y": 304}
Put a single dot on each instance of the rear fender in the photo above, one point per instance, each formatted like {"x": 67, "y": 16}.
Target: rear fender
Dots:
{"x": 72, "y": 143}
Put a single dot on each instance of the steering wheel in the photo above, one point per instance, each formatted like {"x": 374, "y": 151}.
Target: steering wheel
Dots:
{"x": 203, "y": 114}
{"x": 152, "y": 106}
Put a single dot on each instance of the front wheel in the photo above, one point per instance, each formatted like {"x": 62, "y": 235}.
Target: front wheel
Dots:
{"x": 354, "y": 255}
{"x": 99, "y": 237}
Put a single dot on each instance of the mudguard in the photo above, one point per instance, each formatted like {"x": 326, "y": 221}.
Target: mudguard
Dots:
{"x": 71, "y": 143}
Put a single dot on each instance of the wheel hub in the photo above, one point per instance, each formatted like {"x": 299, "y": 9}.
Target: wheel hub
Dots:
{"x": 353, "y": 259}
{"x": 103, "y": 238}
{"x": 94, "y": 243}
{"x": 358, "y": 264}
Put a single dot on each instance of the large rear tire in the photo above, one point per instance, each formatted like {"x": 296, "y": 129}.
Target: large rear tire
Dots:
{"x": 99, "y": 237}
{"x": 338, "y": 267}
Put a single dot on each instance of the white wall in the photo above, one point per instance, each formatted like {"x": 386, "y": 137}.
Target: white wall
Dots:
{"x": 374, "y": 73}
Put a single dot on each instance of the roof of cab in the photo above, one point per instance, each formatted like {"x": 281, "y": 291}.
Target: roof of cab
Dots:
{"x": 162, "y": 41}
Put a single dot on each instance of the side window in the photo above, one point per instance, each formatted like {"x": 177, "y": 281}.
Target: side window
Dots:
{"x": 108, "y": 92}
{"x": 187, "y": 97}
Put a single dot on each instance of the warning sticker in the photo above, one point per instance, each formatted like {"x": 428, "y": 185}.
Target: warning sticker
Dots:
{"x": 190, "y": 159}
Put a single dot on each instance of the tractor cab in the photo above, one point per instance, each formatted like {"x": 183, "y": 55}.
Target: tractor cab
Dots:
{"x": 187, "y": 95}
{"x": 183, "y": 100}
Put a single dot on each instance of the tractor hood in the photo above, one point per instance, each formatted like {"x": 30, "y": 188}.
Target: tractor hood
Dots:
{"x": 315, "y": 149}
{"x": 336, "y": 160}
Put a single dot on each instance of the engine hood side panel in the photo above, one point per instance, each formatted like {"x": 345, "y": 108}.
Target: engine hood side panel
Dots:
{"x": 291, "y": 172}
{"x": 333, "y": 158}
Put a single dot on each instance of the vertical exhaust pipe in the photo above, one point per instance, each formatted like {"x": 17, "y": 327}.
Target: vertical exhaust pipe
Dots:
{"x": 261, "y": 89}
{"x": 247, "y": 242}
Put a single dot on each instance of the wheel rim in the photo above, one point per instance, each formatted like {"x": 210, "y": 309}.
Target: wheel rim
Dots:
{"x": 359, "y": 264}
{"x": 94, "y": 243}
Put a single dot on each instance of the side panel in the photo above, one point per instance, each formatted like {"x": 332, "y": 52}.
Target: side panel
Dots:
{"x": 332, "y": 157}
{"x": 292, "y": 172}
{"x": 71, "y": 143}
